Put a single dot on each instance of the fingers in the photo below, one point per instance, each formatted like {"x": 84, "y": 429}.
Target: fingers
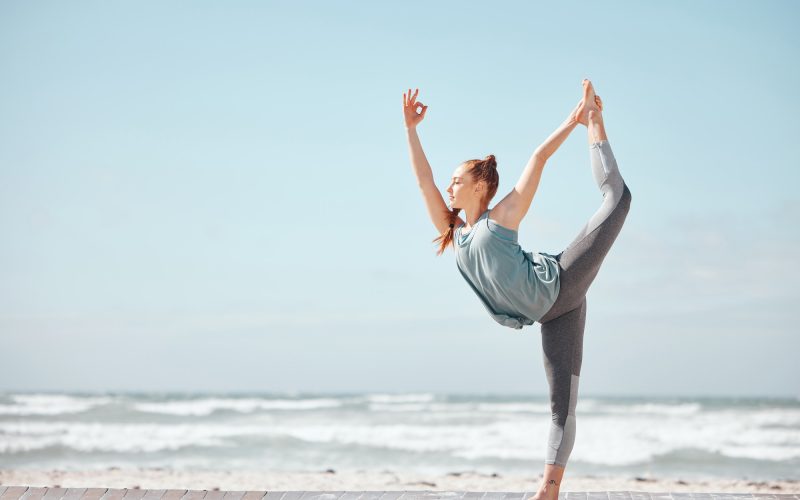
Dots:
{"x": 408, "y": 99}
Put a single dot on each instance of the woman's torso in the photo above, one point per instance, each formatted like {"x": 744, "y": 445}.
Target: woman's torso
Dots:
{"x": 515, "y": 286}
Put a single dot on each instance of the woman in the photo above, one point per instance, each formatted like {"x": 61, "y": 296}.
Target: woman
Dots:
{"x": 516, "y": 287}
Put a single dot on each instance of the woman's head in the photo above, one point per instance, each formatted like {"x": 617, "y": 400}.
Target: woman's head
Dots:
{"x": 472, "y": 187}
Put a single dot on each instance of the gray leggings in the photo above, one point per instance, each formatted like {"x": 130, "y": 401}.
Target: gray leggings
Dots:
{"x": 562, "y": 326}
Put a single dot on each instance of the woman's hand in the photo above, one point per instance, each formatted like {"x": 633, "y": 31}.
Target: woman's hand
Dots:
{"x": 410, "y": 105}
{"x": 578, "y": 115}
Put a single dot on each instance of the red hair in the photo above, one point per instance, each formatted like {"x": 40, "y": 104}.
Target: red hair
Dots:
{"x": 478, "y": 170}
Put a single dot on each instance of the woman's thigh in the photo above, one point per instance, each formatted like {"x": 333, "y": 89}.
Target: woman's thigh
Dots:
{"x": 580, "y": 262}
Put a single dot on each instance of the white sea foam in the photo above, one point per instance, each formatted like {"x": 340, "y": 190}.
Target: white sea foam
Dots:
{"x": 50, "y": 404}
{"x": 207, "y": 406}
{"x": 641, "y": 438}
{"x": 398, "y": 407}
{"x": 665, "y": 409}
{"x": 449, "y": 408}
{"x": 503, "y": 432}
{"x": 401, "y": 398}
{"x": 120, "y": 438}
{"x": 543, "y": 407}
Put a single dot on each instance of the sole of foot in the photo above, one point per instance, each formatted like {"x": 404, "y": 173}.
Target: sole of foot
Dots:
{"x": 590, "y": 102}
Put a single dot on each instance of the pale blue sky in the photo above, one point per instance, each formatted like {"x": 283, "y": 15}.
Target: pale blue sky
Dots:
{"x": 218, "y": 195}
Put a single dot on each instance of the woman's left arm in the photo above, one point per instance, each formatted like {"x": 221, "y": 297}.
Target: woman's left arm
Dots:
{"x": 552, "y": 143}
{"x": 516, "y": 204}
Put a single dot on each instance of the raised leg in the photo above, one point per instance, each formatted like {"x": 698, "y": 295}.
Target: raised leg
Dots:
{"x": 581, "y": 260}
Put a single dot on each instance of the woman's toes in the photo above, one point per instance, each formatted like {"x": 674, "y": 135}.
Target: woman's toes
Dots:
{"x": 588, "y": 90}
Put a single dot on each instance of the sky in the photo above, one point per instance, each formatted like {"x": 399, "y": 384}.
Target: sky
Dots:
{"x": 218, "y": 196}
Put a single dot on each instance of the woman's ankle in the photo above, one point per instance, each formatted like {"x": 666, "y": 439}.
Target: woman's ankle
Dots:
{"x": 596, "y": 128}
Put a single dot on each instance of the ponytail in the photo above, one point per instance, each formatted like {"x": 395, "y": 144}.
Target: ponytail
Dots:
{"x": 446, "y": 238}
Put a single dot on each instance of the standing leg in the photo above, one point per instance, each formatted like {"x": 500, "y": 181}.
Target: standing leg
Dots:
{"x": 562, "y": 344}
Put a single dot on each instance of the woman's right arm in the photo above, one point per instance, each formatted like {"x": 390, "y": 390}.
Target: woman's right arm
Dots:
{"x": 434, "y": 201}
{"x": 437, "y": 208}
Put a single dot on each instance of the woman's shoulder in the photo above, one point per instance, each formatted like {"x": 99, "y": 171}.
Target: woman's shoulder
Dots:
{"x": 499, "y": 216}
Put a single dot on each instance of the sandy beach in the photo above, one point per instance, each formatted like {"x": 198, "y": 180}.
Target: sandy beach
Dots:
{"x": 361, "y": 480}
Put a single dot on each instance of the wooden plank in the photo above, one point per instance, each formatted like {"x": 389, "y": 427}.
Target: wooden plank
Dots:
{"x": 375, "y": 495}
{"x": 194, "y": 495}
{"x": 2, "y": 489}
{"x": 233, "y": 495}
{"x": 292, "y": 495}
{"x": 33, "y": 494}
{"x": 153, "y": 494}
{"x": 73, "y": 493}
{"x": 254, "y": 495}
{"x": 422, "y": 495}
{"x": 391, "y": 495}
{"x": 13, "y": 492}
{"x": 351, "y": 495}
{"x": 173, "y": 494}
{"x": 94, "y": 493}
{"x": 434, "y": 494}
{"x": 619, "y": 495}
{"x": 322, "y": 495}
{"x": 54, "y": 493}
{"x": 273, "y": 495}
{"x": 134, "y": 494}
{"x": 214, "y": 495}
{"x": 113, "y": 494}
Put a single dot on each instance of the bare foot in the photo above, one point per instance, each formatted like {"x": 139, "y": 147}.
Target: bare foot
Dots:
{"x": 574, "y": 113}
{"x": 546, "y": 492}
{"x": 590, "y": 102}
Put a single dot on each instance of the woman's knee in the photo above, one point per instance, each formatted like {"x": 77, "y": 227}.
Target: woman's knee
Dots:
{"x": 626, "y": 197}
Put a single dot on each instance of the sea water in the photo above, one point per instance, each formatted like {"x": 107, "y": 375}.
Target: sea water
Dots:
{"x": 687, "y": 437}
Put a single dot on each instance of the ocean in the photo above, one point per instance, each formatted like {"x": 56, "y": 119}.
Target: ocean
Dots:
{"x": 753, "y": 438}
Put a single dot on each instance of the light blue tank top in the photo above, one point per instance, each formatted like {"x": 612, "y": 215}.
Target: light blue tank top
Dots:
{"x": 516, "y": 287}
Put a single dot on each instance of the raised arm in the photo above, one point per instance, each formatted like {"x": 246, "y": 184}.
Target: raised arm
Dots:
{"x": 437, "y": 208}
{"x": 515, "y": 205}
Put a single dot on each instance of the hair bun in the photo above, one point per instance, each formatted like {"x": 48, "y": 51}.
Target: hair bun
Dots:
{"x": 491, "y": 161}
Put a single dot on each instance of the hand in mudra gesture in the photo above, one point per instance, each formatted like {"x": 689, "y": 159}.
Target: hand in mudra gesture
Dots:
{"x": 410, "y": 106}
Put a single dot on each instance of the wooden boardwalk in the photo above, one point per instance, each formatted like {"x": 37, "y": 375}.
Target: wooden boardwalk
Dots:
{"x": 35, "y": 493}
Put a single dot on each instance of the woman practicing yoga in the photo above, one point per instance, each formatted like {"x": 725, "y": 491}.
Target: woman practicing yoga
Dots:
{"x": 516, "y": 287}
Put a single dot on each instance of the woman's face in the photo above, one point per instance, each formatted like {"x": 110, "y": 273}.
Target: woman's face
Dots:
{"x": 460, "y": 188}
